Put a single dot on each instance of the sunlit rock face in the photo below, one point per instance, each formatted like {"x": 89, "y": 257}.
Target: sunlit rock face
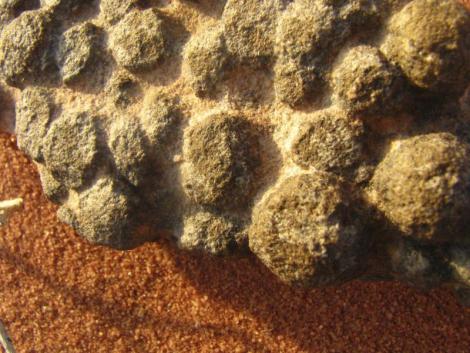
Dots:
{"x": 329, "y": 138}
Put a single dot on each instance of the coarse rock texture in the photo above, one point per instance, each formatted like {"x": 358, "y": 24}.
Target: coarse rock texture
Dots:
{"x": 364, "y": 83}
{"x": 307, "y": 231}
{"x": 428, "y": 39}
{"x": 137, "y": 42}
{"x": 23, "y": 44}
{"x": 222, "y": 158}
{"x": 329, "y": 138}
{"x": 423, "y": 187}
{"x": 207, "y": 232}
{"x": 71, "y": 149}
{"x": 206, "y": 55}
{"x": 59, "y": 293}
{"x": 249, "y": 29}
{"x": 33, "y": 116}
{"x": 330, "y": 141}
{"x": 76, "y": 52}
{"x": 104, "y": 215}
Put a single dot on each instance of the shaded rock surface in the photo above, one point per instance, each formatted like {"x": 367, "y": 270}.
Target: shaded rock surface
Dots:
{"x": 331, "y": 137}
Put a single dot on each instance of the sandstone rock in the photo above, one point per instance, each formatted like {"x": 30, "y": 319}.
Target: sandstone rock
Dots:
{"x": 138, "y": 41}
{"x": 366, "y": 84}
{"x": 429, "y": 40}
{"x": 207, "y": 57}
{"x": 22, "y": 47}
{"x": 123, "y": 90}
{"x": 307, "y": 231}
{"x": 306, "y": 31}
{"x": 76, "y": 51}
{"x": 126, "y": 143}
{"x": 423, "y": 187}
{"x": 222, "y": 155}
{"x": 207, "y": 232}
{"x": 71, "y": 149}
{"x": 327, "y": 137}
{"x": 104, "y": 214}
{"x": 416, "y": 264}
{"x": 159, "y": 118}
{"x": 459, "y": 260}
{"x": 309, "y": 36}
{"x": 329, "y": 141}
{"x": 115, "y": 10}
{"x": 55, "y": 190}
{"x": 10, "y": 9}
{"x": 249, "y": 27}
{"x": 34, "y": 113}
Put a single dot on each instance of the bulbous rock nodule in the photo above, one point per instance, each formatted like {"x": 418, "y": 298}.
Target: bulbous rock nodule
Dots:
{"x": 423, "y": 187}
{"x": 222, "y": 157}
{"x": 308, "y": 232}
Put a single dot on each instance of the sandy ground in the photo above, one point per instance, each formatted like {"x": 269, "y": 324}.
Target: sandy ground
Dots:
{"x": 60, "y": 294}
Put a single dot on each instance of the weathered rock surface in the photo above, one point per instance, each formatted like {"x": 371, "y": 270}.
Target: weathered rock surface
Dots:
{"x": 329, "y": 138}
{"x": 307, "y": 230}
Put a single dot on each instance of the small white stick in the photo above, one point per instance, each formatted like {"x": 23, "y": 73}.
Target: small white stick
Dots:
{"x": 6, "y": 209}
{"x": 5, "y": 340}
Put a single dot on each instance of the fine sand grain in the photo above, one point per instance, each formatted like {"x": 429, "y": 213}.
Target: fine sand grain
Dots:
{"x": 60, "y": 294}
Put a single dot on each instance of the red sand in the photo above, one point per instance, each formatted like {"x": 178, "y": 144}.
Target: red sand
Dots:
{"x": 60, "y": 294}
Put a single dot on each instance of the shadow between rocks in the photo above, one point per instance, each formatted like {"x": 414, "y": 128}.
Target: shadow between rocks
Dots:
{"x": 367, "y": 312}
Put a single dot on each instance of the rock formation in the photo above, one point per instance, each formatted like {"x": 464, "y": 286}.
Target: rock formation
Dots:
{"x": 329, "y": 138}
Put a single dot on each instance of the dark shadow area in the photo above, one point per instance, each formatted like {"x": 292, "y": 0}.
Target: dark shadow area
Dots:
{"x": 111, "y": 312}
{"x": 245, "y": 284}
{"x": 73, "y": 12}
{"x": 212, "y": 8}
{"x": 25, "y": 5}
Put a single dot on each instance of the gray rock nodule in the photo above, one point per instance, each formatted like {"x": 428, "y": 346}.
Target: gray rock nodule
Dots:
{"x": 331, "y": 139}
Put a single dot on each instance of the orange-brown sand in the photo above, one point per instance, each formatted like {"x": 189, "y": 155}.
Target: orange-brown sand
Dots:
{"x": 60, "y": 294}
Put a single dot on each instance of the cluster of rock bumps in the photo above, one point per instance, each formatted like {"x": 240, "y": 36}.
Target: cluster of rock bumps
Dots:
{"x": 331, "y": 138}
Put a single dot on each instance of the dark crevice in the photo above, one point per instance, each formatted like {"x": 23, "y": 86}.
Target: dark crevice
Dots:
{"x": 25, "y": 5}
